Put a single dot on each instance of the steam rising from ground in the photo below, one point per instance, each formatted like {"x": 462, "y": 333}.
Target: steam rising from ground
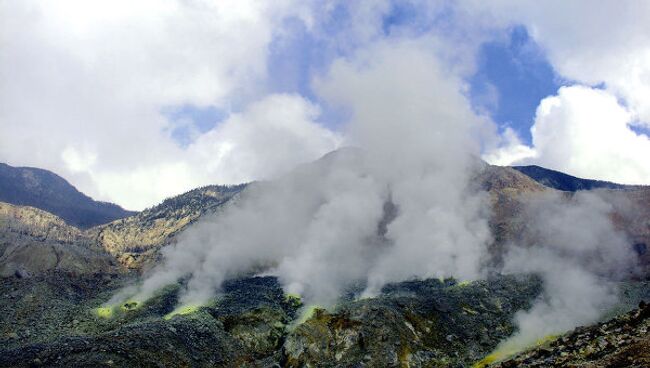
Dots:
{"x": 400, "y": 207}
{"x": 317, "y": 228}
{"x": 573, "y": 245}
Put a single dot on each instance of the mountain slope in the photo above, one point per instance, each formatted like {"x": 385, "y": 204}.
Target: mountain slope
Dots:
{"x": 620, "y": 342}
{"x": 33, "y": 242}
{"x": 53, "y": 278}
{"x": 135, "y": 240}
{"x": 565, "y": 182}
{"x": 26, "y": 186}
{"x": 416, "y": 323}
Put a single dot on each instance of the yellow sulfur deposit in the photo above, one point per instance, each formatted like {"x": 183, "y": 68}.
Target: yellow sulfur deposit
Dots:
{"x": 509, "y": 350}
{"x": 492, "y": 358}
{"x": 130, "y": 305}
{"x": 104, "y": 312}
{"x": 184, "y": 310}
{"x": 307, "y": 313}
{"x": 108, "y": 311}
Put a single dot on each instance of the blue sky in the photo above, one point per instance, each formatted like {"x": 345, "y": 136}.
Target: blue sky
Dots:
{"x": 189, "y": 121}
{"x": 513, "y": 74}
{"x": 518, "y": 71}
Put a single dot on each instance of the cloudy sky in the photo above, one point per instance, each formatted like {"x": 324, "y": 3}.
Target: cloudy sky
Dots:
{"x": 135, "y": 101}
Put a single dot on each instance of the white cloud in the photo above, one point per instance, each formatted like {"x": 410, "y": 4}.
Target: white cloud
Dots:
{"x": 510, "y": 151}
{"x": 84, "y": 83}
{"x": 584, "y": 132}
{"x": 77, "y": 161}
{"x": 269, "y": 138}
{"x": 590, "y": 42}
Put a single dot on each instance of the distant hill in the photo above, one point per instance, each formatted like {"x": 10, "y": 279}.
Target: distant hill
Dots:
{"x": 34, "y": 242}
{"x": 42, "y": 189}
{"x": 565, "y": 182}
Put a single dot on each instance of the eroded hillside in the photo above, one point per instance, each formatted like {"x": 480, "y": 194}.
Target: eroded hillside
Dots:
{"x": 34, "y": 241}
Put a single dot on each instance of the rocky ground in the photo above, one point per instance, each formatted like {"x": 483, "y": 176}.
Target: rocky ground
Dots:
{"x": 620, "y": 342}
{"x": 136, "y": 240}
{"x": 33, "y": 241}
{"x": 53, "y": 321}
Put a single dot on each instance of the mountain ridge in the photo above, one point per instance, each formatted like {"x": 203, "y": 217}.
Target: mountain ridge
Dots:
{"x": 53, "y": 278}
{"x": 45, "y": 190}
{"x": 568, "y": 183}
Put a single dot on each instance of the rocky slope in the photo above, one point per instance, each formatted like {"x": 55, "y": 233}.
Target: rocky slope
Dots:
{"x": 52, "y": 321}
{"x": 135, "y": 240}
{"x": 413, "y": 324}
{"x": 27, "y": 186}
{"x": 34, "y": 241}
{"x": 620, "y": 342}
{"x": 561, "y": 181}
{"x": 509, "y": 189}
{"x": 36, "y": 223}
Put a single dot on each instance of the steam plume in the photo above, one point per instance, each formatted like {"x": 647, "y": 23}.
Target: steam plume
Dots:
{"x": 399, "y": 207}
{"x": 316, "y": 228}
{"x": 573, "y": 245}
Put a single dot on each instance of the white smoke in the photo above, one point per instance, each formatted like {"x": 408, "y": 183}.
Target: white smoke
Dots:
{"x": 422, "y": 145}
{"x": 573, "y": 245}
{"x": 317, "y": 228}
{"x": 400, "y": 207}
